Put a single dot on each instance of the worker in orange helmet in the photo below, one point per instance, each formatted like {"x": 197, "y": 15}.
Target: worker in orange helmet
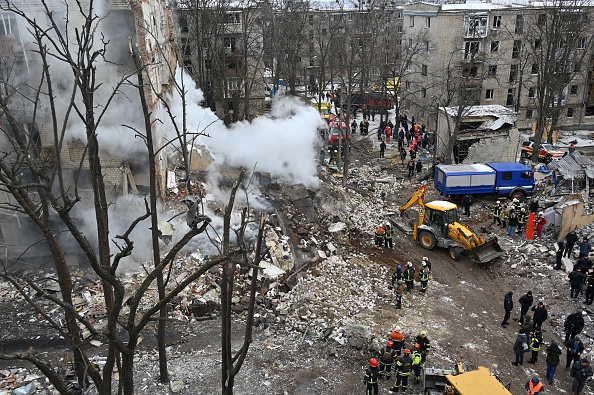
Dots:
{"x": 386, "y": 359}
{"x": 397, "y": 338}
{"x": 371, "y": 377}
{"x": 403, "y": 368}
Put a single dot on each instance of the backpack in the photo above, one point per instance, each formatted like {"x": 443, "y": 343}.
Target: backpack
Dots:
{"x": 524, "y": 346}
{"x": 387, "y": 355}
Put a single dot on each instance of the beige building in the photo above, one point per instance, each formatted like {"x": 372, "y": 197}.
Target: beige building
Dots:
{"x": 486, "y": 53}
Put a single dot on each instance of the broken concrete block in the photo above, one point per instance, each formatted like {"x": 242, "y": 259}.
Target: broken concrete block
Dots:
{"x": 25, "y": 389}
{"x": 177, "y": 386}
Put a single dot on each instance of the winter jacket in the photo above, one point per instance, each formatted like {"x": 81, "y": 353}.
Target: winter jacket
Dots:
{"x": 571, "y": 238}
{"x": 467, "y": 201}
{"x": 540, "y": 314}
{"x": 512, "y": 220}
{"x": 580, "y": 372}
{"x": 576, "y": 278}
{"x": 536, "y": 341}
{"x": 526, "y": 301}
{"x": 553, "y": 354}
{"x": 518, "y": 345}
{"x": 574, "y": 323}
{"x": 527, "y": 324}
{"x": 573, "y": 347}
{"x": 585, "y": 247}
{"x": 508, "y": 302}
{"x": 533, "y": 207}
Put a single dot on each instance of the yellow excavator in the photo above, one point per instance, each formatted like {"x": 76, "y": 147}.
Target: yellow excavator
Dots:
{"x": 437, "y": 226}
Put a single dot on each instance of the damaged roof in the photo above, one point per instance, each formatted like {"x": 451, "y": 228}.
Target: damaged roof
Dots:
{"x": 574, "y": 165}
{"x": 494, "y": 116}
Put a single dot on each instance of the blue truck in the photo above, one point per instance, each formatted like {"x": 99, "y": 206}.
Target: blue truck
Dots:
{"x": 502, "y": 179}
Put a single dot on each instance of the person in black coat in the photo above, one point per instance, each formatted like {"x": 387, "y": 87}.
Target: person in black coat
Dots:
{"x": 540, "y": 315}
{"x": 559, "y": 255}
{"x": 576, "y": 281}
{"x": 574, "y": 324}
{"x": 508, "y": 306}
{"x": 526, "y": 302}
{"x": 466, "y": 202}
{"x": 590, "y": 287}
{"x": 520, "y": 347}
{"x": 534, "y": 207}
{"x": 553, "y": 358}
{"x": 570, "y": 241}
{"x": 575, "y": 348}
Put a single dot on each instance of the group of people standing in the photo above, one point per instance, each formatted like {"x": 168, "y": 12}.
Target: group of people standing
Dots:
{"x": 397, "y": 357}
{"x": 514, "y": 216}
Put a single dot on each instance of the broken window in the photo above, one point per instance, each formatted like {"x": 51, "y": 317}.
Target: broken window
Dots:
{"x": 570, "y": 112}
{"x": 577, "y": 67}
{"x": 183, "y": 23}
{"x": 399, "y": 14}
{"x": 493, "y": 70}
{"x": 529, "y": 114}
{"x": 534, "y": 69}
{"x": 310, "y": 20}
{"x": 531, "y": 92}
{"x": 513, "y": 72}
{"x": 471, "y": 48}
{"x": 516, "y": 49}
{"x": 470, "y": 71}
{"x": 229, "y": 42}
{"x": 310, "y": 35}
{"x": 489, "y": 94}
{"x": 494, "y": 46}
{"x": 537, "y": 44}
{"x": 573, "y": 90}
{"x": 423, "y": 93}
{"x": 526, "y": 174}
{"x": 424, "y": 69}
{"x": 542, "y": 20}
{"x": 582, "y": 43}
{"x": 399, "y": 30}
{"x": 233, "y": 18}
{"x": 496, "y": 21}
{"x": 519, "y": 24}
{"x": 475, "y": 25}
{"x": 511, "y": 93}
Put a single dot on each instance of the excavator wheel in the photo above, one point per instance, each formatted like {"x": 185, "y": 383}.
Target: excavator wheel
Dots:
{"x": 455, "y": 253}
{"x": 427, "y": 239}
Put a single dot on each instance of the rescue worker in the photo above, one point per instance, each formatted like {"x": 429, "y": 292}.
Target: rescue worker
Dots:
{"x": 416, "y": 362}
{"x": 402, "y": 155}
{"x": 409, "y": 276}
{"x": 526, "y": 324}
{"x": 424, "y": 276}
{"x": 540, "y": 223}
{"x": 422, "y": 340}
{"x": 354, "y": 126}
{"x": 516, "y": 203}
{"x": 397, "y": 339}
{"x": 380, "y": 233}
{"x": 388, "y": 236}
{"x": 386, "y": 359}
{"x": 522, "y": 218}
{"x": 371, "y": 377}
{"x": 581, "y": 371}
{"x": 504, "y": 216}
{"x": 534, "y": 386}
{"x": 496, "y": 210}
{"x": 535, "y": 344}
{"x": 426, "y": 260}
{"x": 333, "y": 157}
{"x": 397, "y": 281}
{"x": 403, "y": 368}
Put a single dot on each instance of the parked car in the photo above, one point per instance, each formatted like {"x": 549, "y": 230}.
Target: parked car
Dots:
{"x": 547, "y": 152}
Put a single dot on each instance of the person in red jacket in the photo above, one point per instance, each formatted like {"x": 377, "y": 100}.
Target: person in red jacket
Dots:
{"x": 540, "y": 223}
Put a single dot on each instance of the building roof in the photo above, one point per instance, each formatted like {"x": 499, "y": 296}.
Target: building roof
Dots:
{"x": 573, "y": 166}
{"x": 495, "y": 116}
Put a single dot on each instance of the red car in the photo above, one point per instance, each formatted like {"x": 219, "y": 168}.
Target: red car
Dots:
{"x": 547, "y": 153}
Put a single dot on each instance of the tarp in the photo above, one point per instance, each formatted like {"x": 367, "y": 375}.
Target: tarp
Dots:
{"x": 477, "y": 382}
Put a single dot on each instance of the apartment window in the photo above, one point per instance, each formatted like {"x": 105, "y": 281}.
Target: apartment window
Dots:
{"x": 516, "y": 49}
{"x": 411, "y": 21}
{"x": 428, "y": 22}
{"x": 310, "y": 35}
{"x": 234, "y": 84}
{"x": 570, "y": 112}
{"x": 410, "y": 42}
{"x": 573, "y": 90}
{"x": 423, "y": 93}
{"x": 519, "y": 24}
{"x": 489, "y": 94}
{"x": 233, "y": 18}
{"x": 185, "y": 46}
{"x": 183, "y": 24}
{"x": 493, "y": 70}
{"x": 542, "y": 20}
{"x": 426, "y": 46}
{"x": 399, "y": 29}
{"x": 582, "y": 43}
{"x": 400, "y": 42}
{"x": 470, "y": 71}
{"x": 534, "y": 69}
{"x": 496, "y": 21}
{"x": 350, "y": 16}
{"x": 407, "y": 85}
{"x": 576, "y": 67}
{"x": 531, "y": 92}
{"x": 511, "y": 93}
{"x": 424, "y": 69}
{"x": 537, "y": 44}
{"x": 471, "y": 48}
{"x": 399, "y": 14}
{"x": 188, "y": 66}
{"x": 494, "y": 46}
{"x": 229, "y": 42}
{"x": 513, "y": 72}
{"x": 310, "y": 19}
{"x": 529, "y": 114}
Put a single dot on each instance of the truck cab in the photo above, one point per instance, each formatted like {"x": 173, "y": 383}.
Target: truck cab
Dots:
{"x": 513, "y": 179}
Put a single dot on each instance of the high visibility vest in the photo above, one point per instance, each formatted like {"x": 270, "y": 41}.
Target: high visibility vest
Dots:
{"x": 389, "y": 233}
{"x": 534, "y": 388}
{"x": 409, "y": 274}
{"x": 424, "y": 274}
{"x": 380, "y": 232}
{"x": 416, "y": 357}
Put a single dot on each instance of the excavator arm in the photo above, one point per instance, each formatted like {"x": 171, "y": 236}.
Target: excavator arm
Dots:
{"x": 416, "y": 198}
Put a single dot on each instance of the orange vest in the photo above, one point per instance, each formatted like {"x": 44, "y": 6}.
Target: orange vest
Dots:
{"x": 534, "y": 388}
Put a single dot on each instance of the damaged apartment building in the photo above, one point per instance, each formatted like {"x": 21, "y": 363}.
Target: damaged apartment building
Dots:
{"x": 493, "y": 53}
{"x": 146, "y": 25}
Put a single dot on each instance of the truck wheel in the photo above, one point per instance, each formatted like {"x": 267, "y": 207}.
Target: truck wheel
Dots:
{"x": 520, "y": 194}
{"x": 455, "y": 253}
{"x": 524, "y": 155}
{"x": 427, "y": 239}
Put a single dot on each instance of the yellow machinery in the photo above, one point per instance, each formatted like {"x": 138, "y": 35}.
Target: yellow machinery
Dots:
{"x": 437, "y": 226}
{"x": 458, "y": 382}
{"x": 323, "y": 109}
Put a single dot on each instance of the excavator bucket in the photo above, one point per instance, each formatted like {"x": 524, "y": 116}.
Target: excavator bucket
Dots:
{"x": 486, "y": 252}
{"x": 405, "y": 222}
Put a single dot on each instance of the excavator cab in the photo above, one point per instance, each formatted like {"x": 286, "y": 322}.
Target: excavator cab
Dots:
{"x": 439, "y": 214}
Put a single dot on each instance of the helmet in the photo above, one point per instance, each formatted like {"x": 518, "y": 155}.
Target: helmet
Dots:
{"x": 417, "y": 346}
{"x": 423, "y": 263}
{"x": 516, "y": 197}
{"x": 523, "y": 210}
{"x": 390, "y": 343}
{"x": 423, "y": 333}
{"x": 397, "y": 329}
{"x": 373, "y": 362}
{"x": 399, "y": 267}
{"x": 535, "y": 380}
{"x": 499, "y": 202}
{"x": 540, "y": 213}
{"x": 407, "y": 351}
{"x": 409, "y": 264}
{"x": 425, "y": 258}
